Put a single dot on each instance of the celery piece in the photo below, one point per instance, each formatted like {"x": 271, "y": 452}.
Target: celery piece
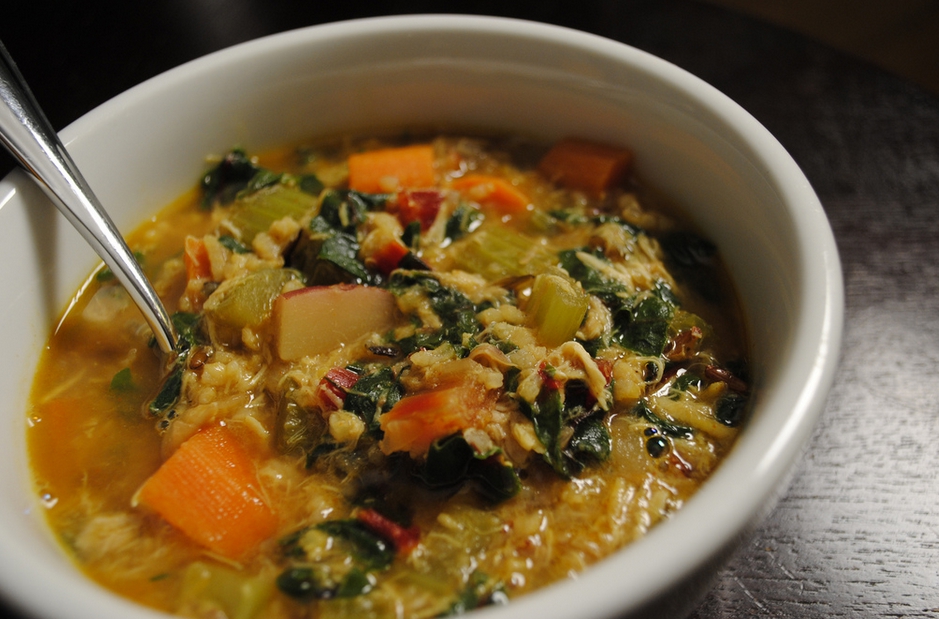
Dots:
{"x": 238, "y": 595}
{"x": 256, "y": 212}
{"x": 497, "y": 252}
{"x": 556, "y": 308}
{"x": 247, "y": 301}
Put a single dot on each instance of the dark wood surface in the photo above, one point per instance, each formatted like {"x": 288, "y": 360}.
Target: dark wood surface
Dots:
{"x": 857, "y": 533}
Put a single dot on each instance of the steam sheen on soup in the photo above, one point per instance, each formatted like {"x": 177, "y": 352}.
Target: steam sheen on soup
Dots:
{"x": 415, "y": 377}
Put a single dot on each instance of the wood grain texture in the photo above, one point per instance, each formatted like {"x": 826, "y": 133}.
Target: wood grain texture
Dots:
{"x": 857, "y": 533}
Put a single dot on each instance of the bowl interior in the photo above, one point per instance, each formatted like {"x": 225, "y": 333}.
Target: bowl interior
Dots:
{"x": 142, "y": 149}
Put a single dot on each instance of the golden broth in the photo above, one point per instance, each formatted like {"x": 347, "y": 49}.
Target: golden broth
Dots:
{"x": 576, "y": 448}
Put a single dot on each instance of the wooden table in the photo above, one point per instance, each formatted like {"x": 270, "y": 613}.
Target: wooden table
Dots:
{"x": 857, "y": 533}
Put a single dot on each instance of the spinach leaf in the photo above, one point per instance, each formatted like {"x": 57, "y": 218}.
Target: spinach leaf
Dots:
{"x": 189, "y": 334}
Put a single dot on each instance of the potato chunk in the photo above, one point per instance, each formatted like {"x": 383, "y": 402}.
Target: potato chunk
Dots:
{"x": 318, "y": 319}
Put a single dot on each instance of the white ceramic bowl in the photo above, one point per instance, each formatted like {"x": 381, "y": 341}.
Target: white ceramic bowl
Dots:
{"x": 145, "y": 147}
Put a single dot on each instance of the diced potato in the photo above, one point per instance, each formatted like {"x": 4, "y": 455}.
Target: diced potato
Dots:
{"x": 318, "y": 319}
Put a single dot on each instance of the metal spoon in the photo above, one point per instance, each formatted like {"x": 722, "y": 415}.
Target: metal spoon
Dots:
{"x": 27, "y": 134}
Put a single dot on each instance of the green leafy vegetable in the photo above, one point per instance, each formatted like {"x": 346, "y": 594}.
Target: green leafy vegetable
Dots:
{"x": 464, "y": 220}
{"x": 233, "y": 244}
{"x": 374, "y": 393}
{"x": 481, "y": 590}
{"x": 731, "y": 409}
{"x": 122, "y": 382}
{"x": 455, "y": 311}
{"x": 347, "y": 553}
{"x": 223, "y": 182}
{"x": 644, "y": 327}
{"x": 668, "y": 428}
{"x": 452, "y": 461}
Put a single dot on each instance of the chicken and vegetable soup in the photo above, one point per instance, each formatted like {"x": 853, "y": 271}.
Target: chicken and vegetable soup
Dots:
{"x": 414, "y": 377}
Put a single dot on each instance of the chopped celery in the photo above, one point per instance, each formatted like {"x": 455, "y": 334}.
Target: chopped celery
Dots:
{"x": 556, "y": 308}
{"x": 256, "y": 212}
{"x": 497, "y": 252}
{"x": 238, "y": 595}
{"x": 247, "y": 301}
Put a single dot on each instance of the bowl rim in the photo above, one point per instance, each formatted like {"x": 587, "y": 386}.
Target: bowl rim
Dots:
{"x": 760, "y": 465}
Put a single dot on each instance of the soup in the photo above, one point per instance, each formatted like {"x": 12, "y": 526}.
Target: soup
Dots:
{"x": 415, "y": 376}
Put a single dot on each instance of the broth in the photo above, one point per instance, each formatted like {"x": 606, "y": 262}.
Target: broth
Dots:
{"x": 528, "y": 363}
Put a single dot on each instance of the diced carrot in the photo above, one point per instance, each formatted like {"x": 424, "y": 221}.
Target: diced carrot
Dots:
{"x": 405, "y": 539}
{"x": 493, "y": 191}
{"x": 418, "y": 420}
{"x": 419, "y": 205}
{"x": 389, "y": 169}
{"x": 196, "y": 259}
{"x": 589, "y": 166}
{"x": 209, "y": 490}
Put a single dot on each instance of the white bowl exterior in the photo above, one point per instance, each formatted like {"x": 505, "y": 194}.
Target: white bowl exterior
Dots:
{"x": 145, "y": 147}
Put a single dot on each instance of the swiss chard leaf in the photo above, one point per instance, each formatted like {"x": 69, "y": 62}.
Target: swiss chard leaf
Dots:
{"x": 343, "y": 211}
{"x": 123, "y": 382}
{"x": 451, "y": 461}
{"x": 693, "y": 260}
{"x": 370, "y": 551}
{"x": 169, "y": 392}
{"x": 593, "y": 281}
{"x": 456, "y": 312}
{"x": 481, "y": 590}
{"x": 668, "y": 428}
{"x": 731, "y": 409}
{"x": 644, "y": 328}
{"x": 372, "y": 394}
{"x": 330, "y": 257}
{"x": 591, "y": 441}
{"x": 464, "y": 220}
{"x": 233, "y": 244}
{"x": 223, "y": 182}
{"x": 332, "y": 576}
{"x": 311, "y": 184}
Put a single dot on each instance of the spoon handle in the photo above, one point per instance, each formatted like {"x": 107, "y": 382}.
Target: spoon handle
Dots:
{"x": 27, "y": 134}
